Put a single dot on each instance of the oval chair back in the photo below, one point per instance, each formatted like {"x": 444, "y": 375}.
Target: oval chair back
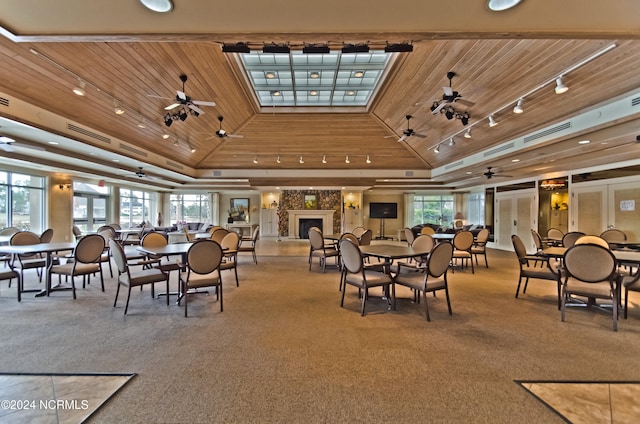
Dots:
{"x": 219, "y": 234}
{"x": 204, "y": 257}
{"x": 46, "y": 236}
{"x": 351, "y": 256}
{"x": 351, "y": 237}
{"x": 358, "y": 231}
{"x": 408, "y": 234}
{"x": 555, "y": 234}
{"x": 592, "y": 240}
{"x": 231, "y": 241}
{"x": 423, "y": 242}
{"x": 570, "y": 238}
{"x": 613, "y": 235}
{"x": 427, "y": 230}
{"x": 365, "y": 238}
{"x": 89, "y": 249}
{"x": 439, "y": 259}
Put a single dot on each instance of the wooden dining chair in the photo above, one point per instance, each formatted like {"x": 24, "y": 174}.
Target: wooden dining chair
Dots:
{"x": 529, "y": 268}
{"x": 84, "y": 262}
{"x": 203, "y": 270}
{"x": 432, "y": 278}
{"x": 130, "y": 279}
{"x": 354, "y": 273}
{"x": 318, "y": 249}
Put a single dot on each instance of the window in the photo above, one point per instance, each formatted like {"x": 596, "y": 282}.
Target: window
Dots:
{"x": 22, "y": 201}
{"x": 476, "y": 208}
{"x": 190, "y": 208}
{"x": 433, "y": 209}
{"x": 135, "y": 207}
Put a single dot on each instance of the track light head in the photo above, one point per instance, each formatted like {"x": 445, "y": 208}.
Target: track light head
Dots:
{"x": 560, "y": 87}
{"x": 324, "y": 158}
{"x": 278, "y": 160}
{"x": 451, "y": 142}
{"x": 119, "y": 110}
{"x": 168, "y": 120}
{"x": 78, "y": 90}
{"x": 437, "y": 149}
{"x": 301, "y": 160}
{"x": 368, "y": 159}
{"x": 492, "y": 121}
{"x": 346, "y": 159}
{"x": 182, "y": 115}
{"x": 464, "y": 118}
{"x": 449, "y": 113}
{"x": 467, "y": 134}
{"x": 518, "y": 107}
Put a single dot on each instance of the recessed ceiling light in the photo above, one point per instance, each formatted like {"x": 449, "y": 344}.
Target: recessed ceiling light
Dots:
{"x": 351, "y": 93}
{"x": 358, "y": 74}
{"x": 161, "y": 6}
{"x": 313, "y": 92}
{"x": 269, "y": 75}
{"x": 314, "y": 75}
{"x": 584, "y": 141}
{"x": 515, "y": 160}
{"x": 53, "y": 142}
{"x": 276, "y": 93}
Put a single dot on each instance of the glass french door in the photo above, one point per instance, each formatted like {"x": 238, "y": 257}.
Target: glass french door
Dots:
{"x": 514, "y": 215}
{"x": 89, "y": 211}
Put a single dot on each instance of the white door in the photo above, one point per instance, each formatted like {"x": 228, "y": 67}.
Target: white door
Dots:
{"x": 515, "y": 215}
{"x": 607, "y": 206}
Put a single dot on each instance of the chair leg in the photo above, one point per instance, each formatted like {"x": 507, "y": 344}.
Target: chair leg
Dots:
{"x": 518, "y": 288}
{"x": 626, "y": 302}
{"x": 426, "y": 305}
{"x": 364, "y": 302}
{"x": 126, "y": 306}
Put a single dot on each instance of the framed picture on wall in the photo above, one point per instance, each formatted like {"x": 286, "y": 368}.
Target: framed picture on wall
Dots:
{"x": 310, "y": 201}
{"x": 239, "y": 209}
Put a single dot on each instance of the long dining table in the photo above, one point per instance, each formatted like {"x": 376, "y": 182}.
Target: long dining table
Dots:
{"x": 41, "y": 248}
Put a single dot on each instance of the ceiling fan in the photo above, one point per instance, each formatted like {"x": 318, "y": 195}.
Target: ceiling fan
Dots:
{"x": 449, "y": 96}
{"x": 184, "y": 100}
{"x": 222, "y": 133}
{"x": 140, "y": 173}
{"x": 490, "y": 174}
{"x": 5, "y": 144}
{"x": 409, "y": 132}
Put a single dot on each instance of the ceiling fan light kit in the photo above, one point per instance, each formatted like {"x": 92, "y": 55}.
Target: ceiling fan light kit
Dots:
{"x": 500, "y": 5}
{"x": 160, "y": 6}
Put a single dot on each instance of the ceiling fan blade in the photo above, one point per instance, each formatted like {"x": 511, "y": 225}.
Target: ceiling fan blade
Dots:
{"x": 439, "y": 108}
{"x": 172, "y": 106}
{"x": 403, "y": 138}
{"x": 181, "y": 95}
{"x": 203, "y": 103}
{"x": 420, "y": 135}
{"x": 7, "y": 147}
{"x": 235, "y": 136}
{"x": 196, "y": 109}
{"x": 465, "y": 102}
{"x": 447, "y": 91}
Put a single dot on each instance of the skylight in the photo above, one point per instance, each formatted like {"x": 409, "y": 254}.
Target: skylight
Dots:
{"x": 299, "y": 79}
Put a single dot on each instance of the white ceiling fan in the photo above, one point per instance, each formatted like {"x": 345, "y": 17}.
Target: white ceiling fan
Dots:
{"x": 182, "y": 99}
{"x": 6, "y": 143}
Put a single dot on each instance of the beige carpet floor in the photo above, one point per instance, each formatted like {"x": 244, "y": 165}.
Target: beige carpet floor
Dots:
{"x": 283, "y": 351}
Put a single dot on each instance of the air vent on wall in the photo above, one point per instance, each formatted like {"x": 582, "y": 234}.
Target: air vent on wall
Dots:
{"x": 548, "y": 131}
{"x": 498, "y": 149}
{"x": 454, "y": 165}
{"x": 635, "y": 101}
{"x": 174, "y": 165}
{"x": 217, "y": 173}
{"x": 408, "y": 173}
{"x": 4, "y": 102}
{"x": 133, "y": 150}
{"x": 88, "y": 133}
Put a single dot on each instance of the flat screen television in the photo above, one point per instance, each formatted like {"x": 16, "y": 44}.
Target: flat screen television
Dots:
{"x": 383, "y": 210}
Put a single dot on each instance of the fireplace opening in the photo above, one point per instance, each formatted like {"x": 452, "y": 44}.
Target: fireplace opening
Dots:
{"x": 304, "y": 224}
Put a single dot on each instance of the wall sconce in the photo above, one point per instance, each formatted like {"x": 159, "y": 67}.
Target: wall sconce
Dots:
{"x": 64, "y": 186}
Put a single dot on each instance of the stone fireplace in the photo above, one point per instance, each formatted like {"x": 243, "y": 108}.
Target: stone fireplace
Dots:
{"x": 305, "y": 224}
{"x": 295, "y": 215}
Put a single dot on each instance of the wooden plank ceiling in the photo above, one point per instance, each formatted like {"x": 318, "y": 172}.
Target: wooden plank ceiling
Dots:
{"x": 492, "y": 72}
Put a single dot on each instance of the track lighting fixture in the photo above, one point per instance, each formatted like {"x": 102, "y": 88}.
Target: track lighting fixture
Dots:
{"x": 141, "y": 124}
{"x": 355, "y": 48}
{"x": 316, "y": 49}
{"x": 301, "y": 160}
{"x": 500, "y": 5}
{"x": 467, "y": 134}
{"x": 398, "y": 48}
{"x": 518, "y": 107}
{"x": 324, "y": 158}
{"x": 368, "y": 159}
{"x": 449, "y": 113}
{"x": 492, "y": 121}
{"x": 236, "y": 48}
{"x": 276, "y": 48}
{"x": 464, "y": 118}
{"x": 182, "y": 115}
{"x": 119, "y": 110}
{"x": 451, "y": 142}
{"x": 560, "y": 87}
{"x": 191, "y": 148}
{"x": 346, "y": 159}
{"x": 278, "y": 160}
{"x": 168, "y": 120}
{"x": 437, "y": 149}
{"x": 78, "y": 90}
{"x": 165, "y": 135}
{"x": 255, "y": 159}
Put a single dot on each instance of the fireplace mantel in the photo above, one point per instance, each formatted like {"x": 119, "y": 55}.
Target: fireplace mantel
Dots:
{"x": 295, "y": 215}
